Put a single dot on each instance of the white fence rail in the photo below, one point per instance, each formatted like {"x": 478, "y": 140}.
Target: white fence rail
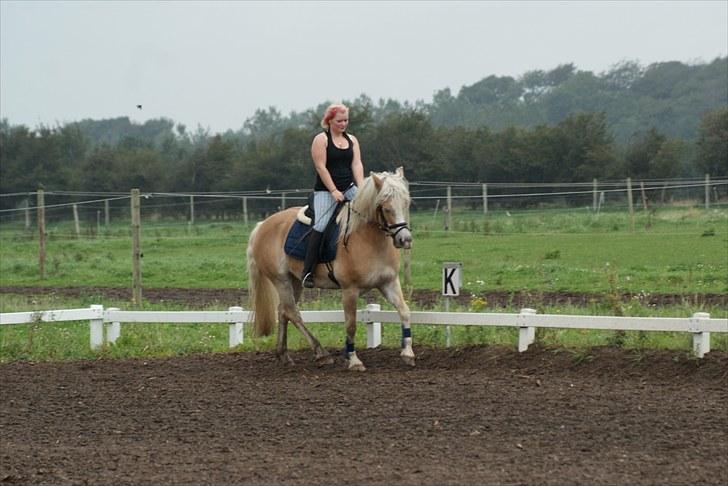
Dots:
{"x": 105, "y": 325}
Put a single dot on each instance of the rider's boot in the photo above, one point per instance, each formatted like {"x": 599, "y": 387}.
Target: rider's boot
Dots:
{"x": 312, "y": 254}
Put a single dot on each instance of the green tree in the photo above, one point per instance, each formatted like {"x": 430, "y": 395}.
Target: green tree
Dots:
{"x": 462, "y": 154}
{"x": 712, "y": 144}
{"x": 492, "y": 90}
{"x": 98, "y": 171}
{"x": 588, "y": 147}
{"x": 47, "y": 157}
{"x": 652, "y": 155}
{"x": 508, "y": 153}
{"x": 667, "y": 161}
{"x": 641, "y": 152}
{"x": 405, "y": 139}
{"x": 137, "y": 164}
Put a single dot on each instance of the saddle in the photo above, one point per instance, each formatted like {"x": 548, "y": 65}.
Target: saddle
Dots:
{"x": 297, "y": 242}
{"x": 297, "y": 239}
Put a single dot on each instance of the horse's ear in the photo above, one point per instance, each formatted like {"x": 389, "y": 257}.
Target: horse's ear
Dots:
{"x": 377, "y": 181}
{"x": 400, "y": 171}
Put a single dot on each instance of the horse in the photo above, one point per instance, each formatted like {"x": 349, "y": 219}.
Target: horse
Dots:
{"x": 372, "y": 231}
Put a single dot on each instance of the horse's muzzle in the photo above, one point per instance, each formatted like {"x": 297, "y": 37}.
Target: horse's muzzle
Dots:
{"x": 403, "y": 239}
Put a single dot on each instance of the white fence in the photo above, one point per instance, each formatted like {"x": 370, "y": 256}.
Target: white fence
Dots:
{"x": 105, "y": 324}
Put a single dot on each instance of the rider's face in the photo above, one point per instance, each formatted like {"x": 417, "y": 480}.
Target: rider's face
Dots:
{"x": 340, "y": 121}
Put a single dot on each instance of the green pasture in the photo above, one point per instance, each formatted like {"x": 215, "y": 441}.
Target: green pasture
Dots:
{"x": 671, "y": 250}
{"x": 682, "y": 250}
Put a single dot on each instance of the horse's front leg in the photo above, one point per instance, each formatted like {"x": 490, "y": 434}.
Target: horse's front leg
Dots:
{"x": 349, "y": 299}
{"x": 393, "y": 293}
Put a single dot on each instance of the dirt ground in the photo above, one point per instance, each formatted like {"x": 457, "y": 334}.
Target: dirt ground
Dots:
{"x": 479, "y": 415}
{"x": 421, "y": 298}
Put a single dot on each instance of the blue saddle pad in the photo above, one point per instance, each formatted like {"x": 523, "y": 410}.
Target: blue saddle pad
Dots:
{"x": 297, "y": 240}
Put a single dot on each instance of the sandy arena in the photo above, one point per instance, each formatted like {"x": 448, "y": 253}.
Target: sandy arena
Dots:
{"x": 480, "y": 415}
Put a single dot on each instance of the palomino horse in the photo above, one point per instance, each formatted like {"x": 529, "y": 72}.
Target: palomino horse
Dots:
{"x": 366, "y": 258}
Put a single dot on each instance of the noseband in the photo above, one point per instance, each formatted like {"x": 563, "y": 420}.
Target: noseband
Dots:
{"x": 390, "y": 229}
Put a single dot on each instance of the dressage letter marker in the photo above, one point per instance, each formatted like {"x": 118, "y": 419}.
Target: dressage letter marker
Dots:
{"x": 451, "y": 277}
{"x": 451, "y": 272}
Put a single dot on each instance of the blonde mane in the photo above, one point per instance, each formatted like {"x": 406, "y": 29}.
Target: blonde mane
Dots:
{"x": 364, "y": 206}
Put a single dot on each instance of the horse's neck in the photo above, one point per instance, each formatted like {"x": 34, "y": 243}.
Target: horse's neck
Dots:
{"x": 372, "y": 234}
{"x": 368, "y": 230}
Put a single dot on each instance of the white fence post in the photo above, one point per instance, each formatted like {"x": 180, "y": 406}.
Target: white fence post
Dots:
{"x": 526, "y": 334}
{"x": 374, "y": 329}
{"x": 701, "y": 340}
{"x": 236, "y": 331}
{"x": 113, "y": 329}
{"x": 96, "y": 327}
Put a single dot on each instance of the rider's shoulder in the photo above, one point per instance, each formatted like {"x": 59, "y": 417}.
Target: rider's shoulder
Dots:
{"x": 320, "y": 138}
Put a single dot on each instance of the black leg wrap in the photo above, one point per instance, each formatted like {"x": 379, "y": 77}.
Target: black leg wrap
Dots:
{"x": 406, "y": 333}
{"x": 348, "y": 348}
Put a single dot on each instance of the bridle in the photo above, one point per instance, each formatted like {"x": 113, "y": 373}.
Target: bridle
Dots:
{"x": 389, "y": 229}
{"x": 382, "y": 223}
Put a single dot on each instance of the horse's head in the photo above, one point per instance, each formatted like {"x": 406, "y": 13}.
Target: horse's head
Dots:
{"x": 392, "y": 206}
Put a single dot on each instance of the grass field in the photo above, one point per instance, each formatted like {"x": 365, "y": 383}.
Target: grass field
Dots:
{"x": 682, "y": 250}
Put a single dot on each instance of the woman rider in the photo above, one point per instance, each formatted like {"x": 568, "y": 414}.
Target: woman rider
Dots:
{"x": 339, "y": 171}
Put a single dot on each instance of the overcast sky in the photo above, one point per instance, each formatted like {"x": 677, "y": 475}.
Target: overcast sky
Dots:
{"x": 214, "y": 63}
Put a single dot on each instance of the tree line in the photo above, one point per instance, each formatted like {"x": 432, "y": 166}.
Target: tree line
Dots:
{"x": 670, "y": 97}
{"x": 498, "y": 130}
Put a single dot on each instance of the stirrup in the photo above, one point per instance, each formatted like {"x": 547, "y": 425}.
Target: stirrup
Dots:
{"x": 307, "y": 280}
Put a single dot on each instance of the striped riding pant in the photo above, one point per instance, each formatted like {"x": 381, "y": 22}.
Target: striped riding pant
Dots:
{"x": 324, "y": 205}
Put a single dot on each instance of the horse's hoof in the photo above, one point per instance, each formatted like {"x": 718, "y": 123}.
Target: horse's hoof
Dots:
{"x": 357, "y": 367}
{"x": 409, "y": 360}
{"x": 285, "y": 360}
{"x": 324, "y": 360}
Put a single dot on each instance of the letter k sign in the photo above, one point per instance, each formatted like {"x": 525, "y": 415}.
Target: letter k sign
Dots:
{"x": 451, "y": 280}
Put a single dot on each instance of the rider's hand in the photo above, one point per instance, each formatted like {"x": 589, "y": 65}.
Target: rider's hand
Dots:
{"x": 338, "y": 195}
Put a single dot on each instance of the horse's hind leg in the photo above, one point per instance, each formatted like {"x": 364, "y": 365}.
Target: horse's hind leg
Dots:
{"x": 297, "y": 289}
{"x": 289, "y": 311}
{"x": 282, "y": 345}
{"x": 320, "y": 354}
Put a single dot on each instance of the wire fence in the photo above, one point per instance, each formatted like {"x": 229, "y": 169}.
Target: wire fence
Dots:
{"x": 93, "y": 213}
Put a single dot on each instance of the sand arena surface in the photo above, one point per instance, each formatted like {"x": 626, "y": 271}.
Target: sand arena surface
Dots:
{"x": 479, "y": 415}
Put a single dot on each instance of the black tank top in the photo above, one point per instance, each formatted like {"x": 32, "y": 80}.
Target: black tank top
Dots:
{"x": 338, "y": 163}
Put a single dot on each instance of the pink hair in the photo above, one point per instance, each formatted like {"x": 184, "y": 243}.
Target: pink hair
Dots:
{"x": 331, "y": 112}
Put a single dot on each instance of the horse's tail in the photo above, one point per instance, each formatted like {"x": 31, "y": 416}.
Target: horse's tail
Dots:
{"x": 263, "y": 295}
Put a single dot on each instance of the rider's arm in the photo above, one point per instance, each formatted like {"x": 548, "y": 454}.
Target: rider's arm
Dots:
{"x": 357, "y": 167}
